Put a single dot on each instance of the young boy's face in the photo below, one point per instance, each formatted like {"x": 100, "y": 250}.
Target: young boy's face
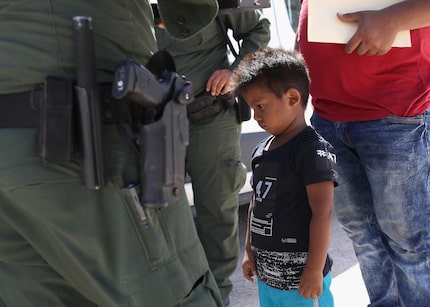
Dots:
{"x": 273, "y": 114}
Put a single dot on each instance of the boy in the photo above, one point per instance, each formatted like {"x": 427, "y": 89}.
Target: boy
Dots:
{"x": 290, "y": 215}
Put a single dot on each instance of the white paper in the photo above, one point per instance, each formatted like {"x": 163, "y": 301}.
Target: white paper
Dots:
{"x": 325, "y": 27}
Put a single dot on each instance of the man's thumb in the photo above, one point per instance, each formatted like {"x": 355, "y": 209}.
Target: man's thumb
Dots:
{"x": 348, "y": 17}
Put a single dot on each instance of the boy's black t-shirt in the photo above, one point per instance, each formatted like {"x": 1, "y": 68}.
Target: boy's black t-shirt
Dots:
{"x": 281, "y": 214}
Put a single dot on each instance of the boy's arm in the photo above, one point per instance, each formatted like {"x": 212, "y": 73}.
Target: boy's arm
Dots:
{"x": 248, "y": 263}
{"x": 321, "y": 198}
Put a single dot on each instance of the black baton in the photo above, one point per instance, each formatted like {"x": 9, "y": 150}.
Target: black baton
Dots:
{"x": 88, "y": 103}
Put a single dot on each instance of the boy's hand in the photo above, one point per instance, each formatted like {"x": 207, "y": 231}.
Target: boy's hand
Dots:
{"x": 248, "y": 265}
{"x": 311, "y": 284}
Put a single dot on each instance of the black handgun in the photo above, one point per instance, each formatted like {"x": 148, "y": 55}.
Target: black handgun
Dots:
{"x": 163, "y": 135}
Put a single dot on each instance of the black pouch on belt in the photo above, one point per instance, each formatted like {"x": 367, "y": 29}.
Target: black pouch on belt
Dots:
{"x": 203, "y": 107}
{"x": 243, "y": 110}
{"x": 54, "y": 141}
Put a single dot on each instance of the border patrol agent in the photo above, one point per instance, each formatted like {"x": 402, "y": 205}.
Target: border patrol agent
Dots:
{"x": 62, "y": 244}
{"x": 213, "y": 155}
{"x": 293, "y": 10}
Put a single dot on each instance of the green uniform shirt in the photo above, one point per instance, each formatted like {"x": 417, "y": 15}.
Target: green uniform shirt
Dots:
{"x": 36, "y": 37}
{"x": 197, "y": 57}
{"x": 62, "y": 244}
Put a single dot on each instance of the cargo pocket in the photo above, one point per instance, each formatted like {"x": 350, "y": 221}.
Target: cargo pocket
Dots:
{"x": 174, "y": 260}
{"x": 149, "y": 232}
{"x": 204, "y": 293}
{"x": 163, "y": 233}
{"x": 236, "y": 172}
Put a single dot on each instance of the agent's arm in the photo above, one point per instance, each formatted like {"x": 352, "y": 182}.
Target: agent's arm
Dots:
{"x": 321, "y": 198}
{"x": 252, "y": 29}
{"x": 377, "y": 29}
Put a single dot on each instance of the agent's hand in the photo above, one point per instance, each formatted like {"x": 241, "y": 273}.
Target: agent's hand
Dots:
{"x": 249, "y": 266}
{"x": 218, "y": 83}
{"x": 375, "y": 33}
{"x": 311, "y": 284}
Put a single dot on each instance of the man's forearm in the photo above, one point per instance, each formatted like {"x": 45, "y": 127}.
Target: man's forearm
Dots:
{"x": 410, "y": 14}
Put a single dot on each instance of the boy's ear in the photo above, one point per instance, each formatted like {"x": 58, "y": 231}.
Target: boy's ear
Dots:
{"x": 293, "y": 96}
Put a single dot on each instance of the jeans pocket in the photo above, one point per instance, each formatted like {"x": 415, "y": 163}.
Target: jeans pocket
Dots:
{"x": 418, "y": 119}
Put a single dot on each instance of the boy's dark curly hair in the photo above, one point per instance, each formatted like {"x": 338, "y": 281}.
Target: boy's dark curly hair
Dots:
{"x": 275, "y": 68}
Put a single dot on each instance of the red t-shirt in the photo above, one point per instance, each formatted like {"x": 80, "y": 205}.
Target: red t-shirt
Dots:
{"x": 349, "y": 87}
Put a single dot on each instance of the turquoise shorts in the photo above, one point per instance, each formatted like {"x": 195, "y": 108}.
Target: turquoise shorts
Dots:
{"x": 273, "y": 297}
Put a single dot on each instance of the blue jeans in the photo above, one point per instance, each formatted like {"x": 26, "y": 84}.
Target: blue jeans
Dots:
{"x": 273, "y": 297}
{"x": 383, "y": 203}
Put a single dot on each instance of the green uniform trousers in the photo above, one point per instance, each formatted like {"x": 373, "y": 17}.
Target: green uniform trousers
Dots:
{"x": 217, "y": 175}
{"x": 64, "y": 245}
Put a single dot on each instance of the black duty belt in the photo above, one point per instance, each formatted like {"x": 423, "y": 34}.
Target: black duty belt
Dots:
{"x": 21, "y": 110}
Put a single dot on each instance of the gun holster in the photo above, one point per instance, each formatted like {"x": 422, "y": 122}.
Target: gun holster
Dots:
{"x": 162, "y": 126}
{"x": 163, "y": 147}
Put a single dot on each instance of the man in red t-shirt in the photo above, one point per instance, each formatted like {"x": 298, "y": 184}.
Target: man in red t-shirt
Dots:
{"x": 371, "y": 103}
